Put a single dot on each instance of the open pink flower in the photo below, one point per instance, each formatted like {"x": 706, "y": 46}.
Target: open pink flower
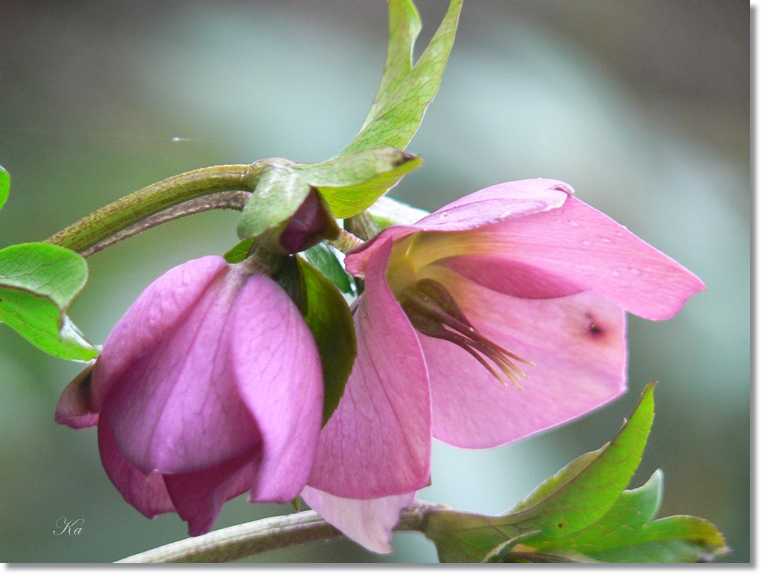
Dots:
{"x": 496, "y": 317}
{"x": 208, "y": 387}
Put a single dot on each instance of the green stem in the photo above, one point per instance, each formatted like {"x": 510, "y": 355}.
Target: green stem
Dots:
{"x": 268, "y": 534}
{"x": 118, "y": 216}
{"x": 345, "y": 241}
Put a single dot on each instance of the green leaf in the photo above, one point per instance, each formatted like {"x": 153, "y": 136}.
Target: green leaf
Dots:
{"x": 406, "y": 89}
{"x": 238, "y": 252}
{"x": 325, "y": 260}
{"x": 352, "y": 182}
{"x": 626, "y": 533}
{"x": 330, "y": 321}
{"x": 38, "y": 282}
{"x": 5, "y": 186}
{"x": 568, "y": 502}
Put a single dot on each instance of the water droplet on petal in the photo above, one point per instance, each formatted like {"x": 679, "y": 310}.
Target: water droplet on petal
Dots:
{"x": 443, "y": 215}
{"x": 574, "y": 224}
{"x": 587, "y": 243}
{"x": 606, "y": 240}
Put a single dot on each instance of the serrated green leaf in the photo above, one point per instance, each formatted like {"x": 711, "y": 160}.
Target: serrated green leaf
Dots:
{"x": 331, "y": 324}
{"x": 626, "y": 533}
{"x": 238, "y": 252}
{"x": 406, "y": 89}
{"x": 352, "y": 182}
{"x": 5, "y": 186}
{"x": 38, "y": 282}
{"x": 325, "y": 260}
{"x": 566, "y": 503}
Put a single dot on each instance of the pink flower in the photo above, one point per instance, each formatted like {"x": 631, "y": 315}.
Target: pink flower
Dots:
{"x": 496, "y": 317}
{"x": 208, "y": 387}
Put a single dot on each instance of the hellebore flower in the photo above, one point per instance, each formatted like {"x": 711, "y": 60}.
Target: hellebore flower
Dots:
{"x": 496, "y": 317}
{"x": 208, "y": 387}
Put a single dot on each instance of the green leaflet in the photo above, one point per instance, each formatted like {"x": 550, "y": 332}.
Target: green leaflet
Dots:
{"x": 352, "y": 182}
{"x": 406, "y": 89}
{"x": 328, "y": 264}
{"x": 330, "y": 321}
{"x": 627, "y": 533}
{"x": 239, "y": 251}
{"x": 38, "y": 282}
{"x": 5, "y": 186}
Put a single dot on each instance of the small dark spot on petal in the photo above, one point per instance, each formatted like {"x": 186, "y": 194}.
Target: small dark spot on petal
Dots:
{"x": 594, "y": 328}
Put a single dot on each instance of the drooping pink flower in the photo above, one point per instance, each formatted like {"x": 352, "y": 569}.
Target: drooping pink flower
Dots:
{"x": 208, "y": 387}
{"x": 496, "y": 317}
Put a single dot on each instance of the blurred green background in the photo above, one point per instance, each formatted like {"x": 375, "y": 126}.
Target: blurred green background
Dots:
{"x": 643, "y": 106}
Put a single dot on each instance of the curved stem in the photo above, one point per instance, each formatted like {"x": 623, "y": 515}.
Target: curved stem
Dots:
{"x": 221, "y": 200}
{"x": 132, "y": 209}
{"x": 268, "y": 534}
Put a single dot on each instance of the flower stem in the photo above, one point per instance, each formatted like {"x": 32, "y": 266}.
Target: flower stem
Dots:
{"x": 345, "y": 241}
{"x": 130, "y": 211}
{"x": 268, "y": 534}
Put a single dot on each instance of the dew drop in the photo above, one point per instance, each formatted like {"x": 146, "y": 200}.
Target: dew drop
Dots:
{"x": 587, "y": 243}
{"x": 606, "y": 240}
{"x": 443, "y": 215}
{"x": 573, "y": 224}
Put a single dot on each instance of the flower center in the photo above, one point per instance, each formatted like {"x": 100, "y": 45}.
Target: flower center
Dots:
{"x": 434, "y": 312}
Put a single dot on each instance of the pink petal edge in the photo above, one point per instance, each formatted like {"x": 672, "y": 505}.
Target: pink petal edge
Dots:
{"x": 369, "y": 522}
{"x": 508, "y": 200}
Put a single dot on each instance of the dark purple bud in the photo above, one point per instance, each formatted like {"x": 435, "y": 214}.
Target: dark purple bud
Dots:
{"x": 311, "y": 223}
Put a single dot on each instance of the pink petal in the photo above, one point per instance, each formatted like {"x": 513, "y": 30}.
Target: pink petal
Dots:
{"x": 577, "y": 344}
{"x": 152, "y": 318}
{"x": 177, "y": 409}
{"x": 369, "y": 522}
{"x": 576, "y": 245}
{"x": 505, "y": 201}
{"x": 509, "y": 200}
{"x": 378, "y": 441}
{"x": 198, "y": 496}
{"x": 146, "y": 493}
{"x": 75, "y": 406}
{"x": 279, "y": 378}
